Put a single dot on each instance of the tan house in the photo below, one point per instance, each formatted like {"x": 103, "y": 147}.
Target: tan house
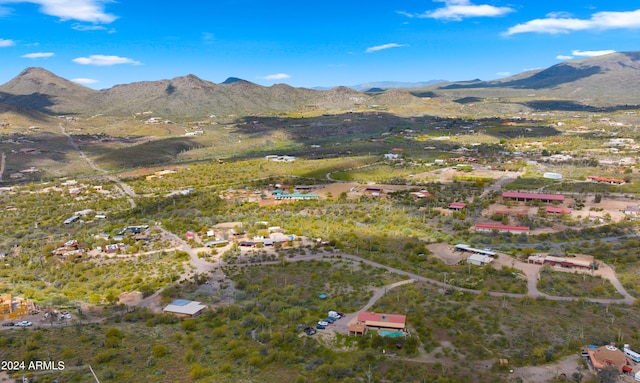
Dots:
{"x": 609, "y": 355}
{"x": 383, "y": 321}
{"x": 357, "y": 329}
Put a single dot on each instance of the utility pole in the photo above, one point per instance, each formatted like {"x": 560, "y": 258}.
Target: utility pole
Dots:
{"x": 444, "y": 279}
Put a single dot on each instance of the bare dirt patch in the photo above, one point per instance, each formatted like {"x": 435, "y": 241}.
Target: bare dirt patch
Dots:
{"x": 336, "y": 189}
{"x": 131, "y": 298}
{"x": 543, "y": 374}
{"x": 446, "y": 253}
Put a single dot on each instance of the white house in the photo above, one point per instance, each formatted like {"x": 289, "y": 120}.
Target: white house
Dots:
{"x": 479, "y": 259}
{"x": 184, "y": 308}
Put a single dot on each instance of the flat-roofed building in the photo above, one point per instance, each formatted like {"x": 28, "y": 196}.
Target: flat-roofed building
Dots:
{"x": 184, "y": 308}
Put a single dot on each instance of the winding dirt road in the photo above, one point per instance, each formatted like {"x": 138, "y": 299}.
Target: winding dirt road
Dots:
{"x": 531, "y": 271}
{"x": 124, "y": 188}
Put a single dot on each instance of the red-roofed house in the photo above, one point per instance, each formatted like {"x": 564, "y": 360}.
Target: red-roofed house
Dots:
{"x": 533, "y": 196}
{"x": 383, "y": 321}
{"x": 421, "y": 194}
{"x": 605, "y": 180}
{"x": 457, "y": 205}
{"x": 502, "y": 228}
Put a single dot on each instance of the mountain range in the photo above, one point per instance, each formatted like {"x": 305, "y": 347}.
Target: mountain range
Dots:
{"x": 368, "y": 86}
{"x": 612, "y": 79}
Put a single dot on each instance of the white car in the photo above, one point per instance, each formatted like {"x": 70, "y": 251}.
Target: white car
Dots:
{"x": 321, "y": 323}
{"x": 24, "y": 323}
{"x": 334, "y": 315}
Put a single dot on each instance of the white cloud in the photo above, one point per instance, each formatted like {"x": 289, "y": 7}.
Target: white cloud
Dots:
{"x": 404, "y": 13}
{"x": 592, "y": 53}
{"x": 38, "y": 55}
{"x": 563, "y": 57}
{"x": 277, "y": 76}
{"x": 383, "y": 47}
{"x": 559, "y": 15}
{"x": 84, "y": 28}
{"x": 102, "y": 60}
{"x": 83, "y": 10}
{"x": 560, "y": 23}
{"x": 6, "y": 43}
{"x": 503, "y": 74}
{"x": 457, "y": 10}
{"x": 85, "y": 81}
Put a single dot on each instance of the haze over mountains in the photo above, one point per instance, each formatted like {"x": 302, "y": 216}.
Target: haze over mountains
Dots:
{"x": 605, "y": 80}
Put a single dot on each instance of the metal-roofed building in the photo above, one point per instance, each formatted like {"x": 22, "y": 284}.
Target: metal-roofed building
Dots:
{"x": 184, "y": 308}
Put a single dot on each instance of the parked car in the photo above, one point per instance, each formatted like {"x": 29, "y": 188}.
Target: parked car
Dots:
{"x": 321, "y": 327}
{"x": 336, "y": 314}
{"x": 309, "y": 331}
{"x": 8, "y": 324}
{"x": 329, "y": 319}
{"x": 24, "y": 323}
{"x": 323, "y": 323}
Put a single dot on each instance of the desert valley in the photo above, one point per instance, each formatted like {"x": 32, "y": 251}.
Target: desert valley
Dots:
{"x": 186, "y": 231}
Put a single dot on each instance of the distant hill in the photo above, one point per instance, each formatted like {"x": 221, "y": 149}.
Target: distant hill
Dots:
{"x": 231, "y": 80}
{"x": 609, "y": 80}
{"x": 612, "y": 78}
{"x": 394, "y": 85}
{"x": 383, "y": 85}
{"x": 41, "y": 90}
{"x": 187, "y": 96}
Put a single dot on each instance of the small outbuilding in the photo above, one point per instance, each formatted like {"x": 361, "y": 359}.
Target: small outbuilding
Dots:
{"x": 184, "y": 308}
{"x": 479, "y": 259}
{"x": 357, "y": 329}
{"x": 457, "y": 206}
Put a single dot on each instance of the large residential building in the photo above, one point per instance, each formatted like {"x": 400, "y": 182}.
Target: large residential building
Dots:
{"x": 609, "y": 355}
{"x": 383, "y": 321}
{"x": 560, "y": 261}
{"x": 533, "y": 196}
{"x": 488, "y": 227}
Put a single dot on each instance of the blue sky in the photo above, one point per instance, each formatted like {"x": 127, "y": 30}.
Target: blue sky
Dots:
{"x": 101, "y": 43}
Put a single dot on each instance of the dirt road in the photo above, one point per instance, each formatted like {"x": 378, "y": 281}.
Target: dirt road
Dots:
{"x": 124, "y": 188}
